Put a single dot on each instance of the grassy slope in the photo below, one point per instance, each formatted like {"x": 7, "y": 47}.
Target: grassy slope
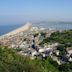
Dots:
{"x": 10, "y": 61}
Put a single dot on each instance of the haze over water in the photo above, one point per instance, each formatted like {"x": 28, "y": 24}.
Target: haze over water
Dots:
{"x": 7, "y": 28}
{"x": 21, "y": 11}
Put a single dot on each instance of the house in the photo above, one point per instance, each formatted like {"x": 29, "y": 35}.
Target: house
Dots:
{"x": 69, "y": 50}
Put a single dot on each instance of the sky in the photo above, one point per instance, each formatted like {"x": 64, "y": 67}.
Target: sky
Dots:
{"x": 19, "y": 11}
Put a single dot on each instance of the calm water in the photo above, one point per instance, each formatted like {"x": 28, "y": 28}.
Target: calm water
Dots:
{"x": 55, "y": 26}
{"x": 7, "y": 28}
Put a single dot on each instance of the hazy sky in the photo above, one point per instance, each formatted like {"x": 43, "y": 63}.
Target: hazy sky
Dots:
{"x": 18, "y": 11}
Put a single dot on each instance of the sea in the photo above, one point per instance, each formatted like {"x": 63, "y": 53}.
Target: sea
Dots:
{"x": 5, "y": 28}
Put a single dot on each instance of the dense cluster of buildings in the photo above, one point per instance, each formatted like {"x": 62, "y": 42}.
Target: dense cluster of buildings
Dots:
{"x": 27, "y": 43}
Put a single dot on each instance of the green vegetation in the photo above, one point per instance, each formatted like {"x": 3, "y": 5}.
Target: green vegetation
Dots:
{"x": 61, "y": 37}
{"x": 64, "y": 37}
{"x": 65, "y": 67}
{"x": 10, "y": 61}
{"x": 43, "y": 34}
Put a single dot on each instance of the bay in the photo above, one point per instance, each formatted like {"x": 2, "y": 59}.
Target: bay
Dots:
{"x": 7, "y": 28}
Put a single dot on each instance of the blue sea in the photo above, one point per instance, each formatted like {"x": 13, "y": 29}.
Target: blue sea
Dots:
{"x": 7, "y": 28}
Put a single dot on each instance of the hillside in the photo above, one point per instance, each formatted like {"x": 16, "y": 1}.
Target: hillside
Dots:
{"x": 10, "y": 61}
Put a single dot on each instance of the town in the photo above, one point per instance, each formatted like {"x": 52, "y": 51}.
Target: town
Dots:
{"x": 27, "y": 41}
